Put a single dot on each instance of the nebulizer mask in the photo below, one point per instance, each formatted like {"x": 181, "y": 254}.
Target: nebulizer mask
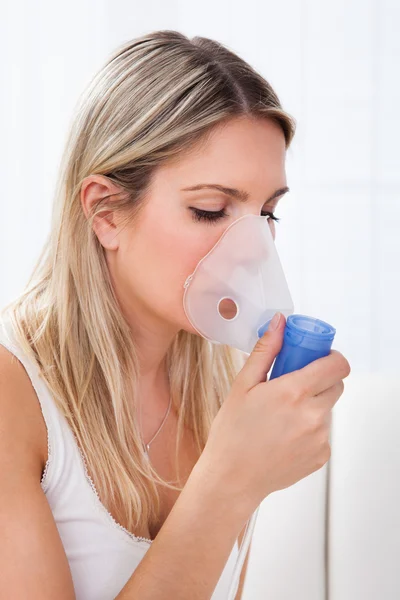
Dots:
{"x": 231, "y": 296}
{"x": 238, "y": 286}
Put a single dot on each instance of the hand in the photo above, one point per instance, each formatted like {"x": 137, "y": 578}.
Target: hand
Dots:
{"x": 268, "y": 435}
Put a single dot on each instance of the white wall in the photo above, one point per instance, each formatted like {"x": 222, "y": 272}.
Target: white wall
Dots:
{"x": 335, "y": 67}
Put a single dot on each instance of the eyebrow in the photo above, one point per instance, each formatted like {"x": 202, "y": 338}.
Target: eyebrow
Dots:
{"x": 240, "y": 195}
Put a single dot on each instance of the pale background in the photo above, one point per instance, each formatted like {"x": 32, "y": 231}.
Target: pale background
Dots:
{"x": 335, "y": 67}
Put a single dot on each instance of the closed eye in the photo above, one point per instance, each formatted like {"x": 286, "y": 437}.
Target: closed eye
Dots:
{"x": 214, "y": 216}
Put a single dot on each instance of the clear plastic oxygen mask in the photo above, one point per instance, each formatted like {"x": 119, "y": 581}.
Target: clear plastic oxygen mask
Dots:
{"x": 238, "y": 286}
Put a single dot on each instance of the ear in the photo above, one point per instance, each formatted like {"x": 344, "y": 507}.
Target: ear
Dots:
{"x": 93, "y": 189}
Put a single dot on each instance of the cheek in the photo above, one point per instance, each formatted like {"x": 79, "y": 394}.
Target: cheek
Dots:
{"x": 155, "y": 262}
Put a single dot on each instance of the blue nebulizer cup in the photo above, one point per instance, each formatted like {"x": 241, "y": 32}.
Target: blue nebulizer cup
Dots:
{"x": 305, "y": 339}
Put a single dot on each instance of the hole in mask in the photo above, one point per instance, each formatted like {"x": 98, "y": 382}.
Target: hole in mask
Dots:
{"x": 227, "y": 308}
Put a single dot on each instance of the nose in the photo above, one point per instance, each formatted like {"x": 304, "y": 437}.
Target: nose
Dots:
{"x": 252, "y": 209}
{"x": 241, "y": 211}
{"x": 246, "y": 239}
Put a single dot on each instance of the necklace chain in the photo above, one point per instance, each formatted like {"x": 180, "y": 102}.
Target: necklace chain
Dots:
{"x": 147, "y": 446}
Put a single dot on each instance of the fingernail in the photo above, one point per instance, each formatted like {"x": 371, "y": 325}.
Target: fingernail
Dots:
{"x": 275, "y": 322}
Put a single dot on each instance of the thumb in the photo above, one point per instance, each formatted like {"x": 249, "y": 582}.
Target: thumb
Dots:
{"x": 259, "y": 362}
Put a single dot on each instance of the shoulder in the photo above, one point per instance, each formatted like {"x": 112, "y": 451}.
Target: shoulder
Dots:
{"x": 23, "y": 431}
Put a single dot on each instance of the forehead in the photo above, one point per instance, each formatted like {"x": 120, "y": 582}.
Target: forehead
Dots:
{"x": 245, "y": 151}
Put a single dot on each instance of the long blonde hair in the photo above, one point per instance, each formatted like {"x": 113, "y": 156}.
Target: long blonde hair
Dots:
{"x": 155, "y": 97}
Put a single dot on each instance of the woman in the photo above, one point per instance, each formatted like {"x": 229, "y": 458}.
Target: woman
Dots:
{"x": 128, "y": 390}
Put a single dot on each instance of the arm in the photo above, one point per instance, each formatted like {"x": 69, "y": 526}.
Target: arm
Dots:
{"x": 191, "y": 549}
{"x": 244, "y": 568}
{"x": 32, "y": 557}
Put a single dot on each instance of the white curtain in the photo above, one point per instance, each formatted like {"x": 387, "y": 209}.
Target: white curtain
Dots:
{"x": 335, "y": 67}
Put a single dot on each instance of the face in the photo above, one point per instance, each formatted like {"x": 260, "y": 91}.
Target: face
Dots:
{"x": 150, "y": 260}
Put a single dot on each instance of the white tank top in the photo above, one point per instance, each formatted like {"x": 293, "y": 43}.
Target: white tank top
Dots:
{"x": 101, "y": 553}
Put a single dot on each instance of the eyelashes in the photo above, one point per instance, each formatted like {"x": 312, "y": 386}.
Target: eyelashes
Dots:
{"x": 214, "y": 216}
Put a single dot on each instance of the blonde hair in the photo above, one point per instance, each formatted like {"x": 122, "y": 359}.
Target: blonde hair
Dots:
{"x": 153, "y": 99}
